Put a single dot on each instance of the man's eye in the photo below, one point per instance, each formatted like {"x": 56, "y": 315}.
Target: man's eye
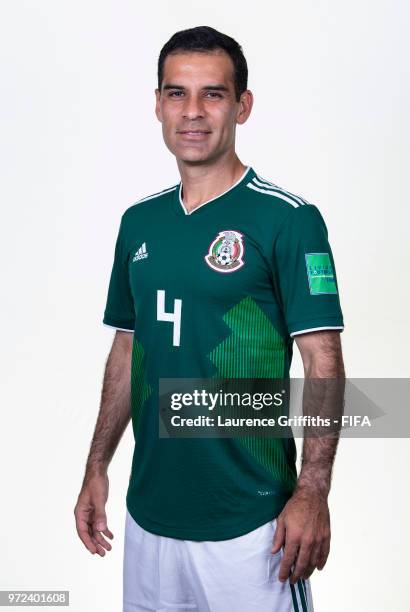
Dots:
{"x": 175, "y": 94}
{"x": 213, "y": 94}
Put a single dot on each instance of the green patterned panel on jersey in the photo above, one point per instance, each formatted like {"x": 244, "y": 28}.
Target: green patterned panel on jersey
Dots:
{"x": 140, "y": 388}
{"x": 255, "y": 349}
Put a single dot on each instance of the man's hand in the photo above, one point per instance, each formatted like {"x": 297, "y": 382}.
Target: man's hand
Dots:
{"x": 303, "y": 527}
{"x": 90, "y": 517}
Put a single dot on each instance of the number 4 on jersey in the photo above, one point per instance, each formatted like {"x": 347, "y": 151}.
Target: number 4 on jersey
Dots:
{"x": 171, "y": 317}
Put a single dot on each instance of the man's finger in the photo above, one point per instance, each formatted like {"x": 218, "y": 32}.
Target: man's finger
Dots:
{"x": 278, "y": 537}
{"x": 101, "y": 540}
{"x": 307, "y": 574}
{"x": 315, "y": 554}
{"x": 302, "y": 563}
{"x": 100, "y": 549}
{"x": 108, "y": 533}
{"x": 323, "y": 555}
{"x": 288, "y": 559}
{"x": 96, "y": 523}
{"x": 84, "y": 535}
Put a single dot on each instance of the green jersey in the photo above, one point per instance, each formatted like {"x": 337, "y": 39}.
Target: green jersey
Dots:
{"x": 220, "y": 291}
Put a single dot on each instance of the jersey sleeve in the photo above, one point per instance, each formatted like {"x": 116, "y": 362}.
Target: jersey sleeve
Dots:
{"x": 119, "y": 310}
{"x": 304, "y": 273}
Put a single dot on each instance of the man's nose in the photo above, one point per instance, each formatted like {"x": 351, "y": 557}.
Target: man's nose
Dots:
{"x": 193, "y": 108}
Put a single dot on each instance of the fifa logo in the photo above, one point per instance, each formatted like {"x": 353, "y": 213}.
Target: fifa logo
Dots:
{"x": 225, "y": 253}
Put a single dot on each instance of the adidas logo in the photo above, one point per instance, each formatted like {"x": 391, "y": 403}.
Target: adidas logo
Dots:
{"x": 141, "y": 253}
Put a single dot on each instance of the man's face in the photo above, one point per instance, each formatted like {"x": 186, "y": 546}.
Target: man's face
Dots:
{"x": 197, "y": 105}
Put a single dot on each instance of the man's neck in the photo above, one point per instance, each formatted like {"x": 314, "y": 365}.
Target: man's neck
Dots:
{"x": 203, "y": 182}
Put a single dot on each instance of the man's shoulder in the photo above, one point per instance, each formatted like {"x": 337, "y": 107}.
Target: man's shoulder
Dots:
{"x": 274, "y": 195}
{"x": 148, "y": 202}
{"x": 282, "y": 206}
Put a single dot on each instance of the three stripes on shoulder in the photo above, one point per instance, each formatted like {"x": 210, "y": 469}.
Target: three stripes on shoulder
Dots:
{"x": 263, "y": 186}
{"x": 257, "y": 184}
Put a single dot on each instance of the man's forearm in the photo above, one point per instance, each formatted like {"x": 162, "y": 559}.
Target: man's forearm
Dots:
{"x": 323, "y": 397}
{"x": 317, "y": 463}
{"x": 114, "y": 414}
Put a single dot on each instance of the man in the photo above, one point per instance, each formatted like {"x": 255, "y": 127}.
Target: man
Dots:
{"x": 214, "y": 276}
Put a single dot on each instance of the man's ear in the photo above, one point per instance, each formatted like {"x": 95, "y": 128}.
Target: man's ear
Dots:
{"x": 158, "y": 105}
{"x": 245, "y": 107}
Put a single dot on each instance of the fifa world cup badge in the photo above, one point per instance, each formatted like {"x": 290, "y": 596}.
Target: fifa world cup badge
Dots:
{"x": 225, "y": 253}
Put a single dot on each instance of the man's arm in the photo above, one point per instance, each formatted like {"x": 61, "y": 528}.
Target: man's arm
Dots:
{"x": 113, "y": 417}
{"x": 304, "y": 524}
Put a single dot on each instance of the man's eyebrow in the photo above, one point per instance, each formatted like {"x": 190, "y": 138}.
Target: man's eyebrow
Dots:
{"x": 207, "y": 87}
{"x": 216, "y": 87}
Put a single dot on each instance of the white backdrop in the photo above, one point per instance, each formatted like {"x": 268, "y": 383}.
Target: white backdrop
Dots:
{"x": 80, "y": 143}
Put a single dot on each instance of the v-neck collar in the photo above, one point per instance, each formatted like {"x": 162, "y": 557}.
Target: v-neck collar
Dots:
{"x": 180, "y": 208}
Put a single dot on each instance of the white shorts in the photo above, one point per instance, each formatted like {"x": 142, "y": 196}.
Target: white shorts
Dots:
{"x": 164, "y": 574}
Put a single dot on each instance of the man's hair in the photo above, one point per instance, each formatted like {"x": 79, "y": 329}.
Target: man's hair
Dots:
{"x": 204, "y": 39}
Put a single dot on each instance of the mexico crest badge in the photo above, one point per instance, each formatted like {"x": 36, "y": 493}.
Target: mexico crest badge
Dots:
{"x": 225, "y": 253}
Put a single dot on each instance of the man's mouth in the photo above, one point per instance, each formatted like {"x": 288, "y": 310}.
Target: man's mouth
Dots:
{"x": 193, "y": 132}
{"x": 193, "y": 136}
